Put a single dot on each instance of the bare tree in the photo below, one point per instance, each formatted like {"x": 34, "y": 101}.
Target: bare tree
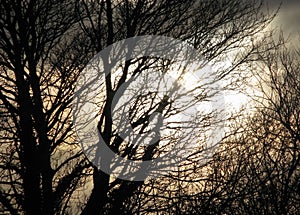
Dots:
{"x": 278, "y": 131}
{"x": 39, "y": 64}
{"x": 44, "y": 47}
{"x": 215, "y": 28}
{"x": 257, "y": 168}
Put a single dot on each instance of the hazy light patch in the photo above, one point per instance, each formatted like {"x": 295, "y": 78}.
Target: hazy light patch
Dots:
{"x": 235, "y": 100}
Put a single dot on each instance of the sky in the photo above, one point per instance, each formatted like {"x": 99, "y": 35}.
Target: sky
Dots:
{"x": 288, "y": 18}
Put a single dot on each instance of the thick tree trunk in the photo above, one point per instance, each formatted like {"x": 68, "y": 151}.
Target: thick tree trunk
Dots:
{"x": 98, "y": 198}
{"x": 44, "y": 144}
{"x": 28, "y": 154}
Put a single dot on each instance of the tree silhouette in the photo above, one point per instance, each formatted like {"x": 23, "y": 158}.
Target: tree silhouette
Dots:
{"x": 256, "y": 170}
{"x": 44, "y": 47}
{"x": 38, "y": 70}
{"x": 214, "y": 28}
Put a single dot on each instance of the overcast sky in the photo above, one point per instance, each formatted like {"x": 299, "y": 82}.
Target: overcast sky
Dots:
{"x": 288, "y": 18}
